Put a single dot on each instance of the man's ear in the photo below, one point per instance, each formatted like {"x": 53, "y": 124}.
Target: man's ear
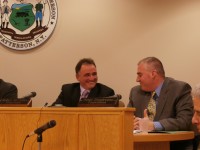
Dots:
{"x": 154, "y": 73}
{"x": 77, "y": 76}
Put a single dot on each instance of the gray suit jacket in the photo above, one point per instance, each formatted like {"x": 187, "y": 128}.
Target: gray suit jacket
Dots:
{"x": 174, "y": 107}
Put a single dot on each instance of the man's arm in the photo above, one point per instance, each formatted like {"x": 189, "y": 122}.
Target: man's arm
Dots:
{"x": 11, "y": 92}
{"x": 183, "y": 109}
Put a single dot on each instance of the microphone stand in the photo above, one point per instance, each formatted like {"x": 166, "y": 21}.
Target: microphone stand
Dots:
{"x": 39, "y": 140}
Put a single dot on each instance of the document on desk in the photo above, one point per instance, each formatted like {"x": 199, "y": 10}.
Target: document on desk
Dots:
{"x": 166, "y": 132}
{"x": 169, "y": 132}
{"x": 137, "y": 131}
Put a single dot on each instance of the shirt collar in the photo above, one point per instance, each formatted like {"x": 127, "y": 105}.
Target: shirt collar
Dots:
{"x": 82, "y": 90}
{"x": 158, "y": 89}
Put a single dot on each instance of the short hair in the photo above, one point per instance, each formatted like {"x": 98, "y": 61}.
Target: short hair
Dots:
{"x": 155, "y": 63}
{"x": 84, "y": 61}
{"x": 196, "y": 91}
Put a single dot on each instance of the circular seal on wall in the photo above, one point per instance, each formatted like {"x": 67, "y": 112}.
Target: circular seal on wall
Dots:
{"x": 26, "y": 24}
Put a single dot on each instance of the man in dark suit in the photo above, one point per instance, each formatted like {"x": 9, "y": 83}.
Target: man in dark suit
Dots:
{"x": 8, "y": 90}
{"x": 86, "y": 74}
{"x": 174, "y": 106}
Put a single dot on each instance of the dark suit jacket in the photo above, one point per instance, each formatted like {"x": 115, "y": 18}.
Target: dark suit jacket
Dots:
{"x": 70, "y": 94}
{"x": 8, "y": 90}
{"x": 174, "y": 108}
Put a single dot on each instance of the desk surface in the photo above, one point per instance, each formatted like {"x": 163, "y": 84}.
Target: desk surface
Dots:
{"x": 64, "y": 109}
{"x": 171, "y": 136}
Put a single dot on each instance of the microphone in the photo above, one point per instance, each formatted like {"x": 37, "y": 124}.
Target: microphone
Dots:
{"x": 114, "y": 97}
{"x": 41, "y": 129}
{"x": 109, "y": 101}
{"x": 45, "y": 105}
{"x": 29, "y": 96}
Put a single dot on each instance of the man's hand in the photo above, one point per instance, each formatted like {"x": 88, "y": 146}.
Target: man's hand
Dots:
{"x": 150, "y": 123}
{"x": 136, "y": 122}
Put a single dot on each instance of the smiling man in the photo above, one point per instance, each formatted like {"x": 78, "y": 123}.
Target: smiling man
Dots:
{"x": 87, "y": 87}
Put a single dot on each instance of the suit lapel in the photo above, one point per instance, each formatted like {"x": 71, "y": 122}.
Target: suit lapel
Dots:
{"x": 93, "y": 92}
{"x": 76, "y": 94}
{"x": 1, "y": 87}
{"x": 146, "y": 100}
{"x": 140, "y": 102}
{"x": 162, "y": 100}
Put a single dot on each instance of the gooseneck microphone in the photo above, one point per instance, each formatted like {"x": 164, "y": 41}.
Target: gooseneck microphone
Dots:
{"x": 41, "y": 129}
{"x": 114, "y": 97}
{"x": 29, "y": 96}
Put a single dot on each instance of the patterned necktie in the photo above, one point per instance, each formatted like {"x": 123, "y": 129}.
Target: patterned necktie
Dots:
{"x": 152, "y": 106}
{"x": 84, "y": 94}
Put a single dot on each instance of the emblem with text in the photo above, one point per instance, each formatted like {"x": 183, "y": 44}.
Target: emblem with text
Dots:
{"x": 26, "y": 24}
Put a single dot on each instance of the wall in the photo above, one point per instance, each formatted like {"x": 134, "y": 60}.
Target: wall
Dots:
{"x": 116, "y": 34}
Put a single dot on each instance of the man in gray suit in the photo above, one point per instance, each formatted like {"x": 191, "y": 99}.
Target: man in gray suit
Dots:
{"x": 174, "y": 105}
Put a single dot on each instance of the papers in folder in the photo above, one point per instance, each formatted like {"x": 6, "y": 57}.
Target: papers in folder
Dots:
{"x": 168, "y": 132}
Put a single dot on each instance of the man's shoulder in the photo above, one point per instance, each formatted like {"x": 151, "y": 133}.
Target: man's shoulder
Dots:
{"x": 136, "y": 88}
{"x": 176, "y": 83}
{"x": 6, "y": 84}
{"x": 103, "y": 86}
{"x": 71, "y": 85}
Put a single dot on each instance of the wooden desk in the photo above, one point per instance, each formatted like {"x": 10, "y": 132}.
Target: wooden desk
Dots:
{"x": 76, "y": 128}
{"x": 159, "y": 141}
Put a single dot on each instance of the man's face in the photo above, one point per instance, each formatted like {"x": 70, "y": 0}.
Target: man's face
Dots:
{"x": 145, "y": 76}
{"x": 196, "y": 116}
{"x": 87, "y": 76}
